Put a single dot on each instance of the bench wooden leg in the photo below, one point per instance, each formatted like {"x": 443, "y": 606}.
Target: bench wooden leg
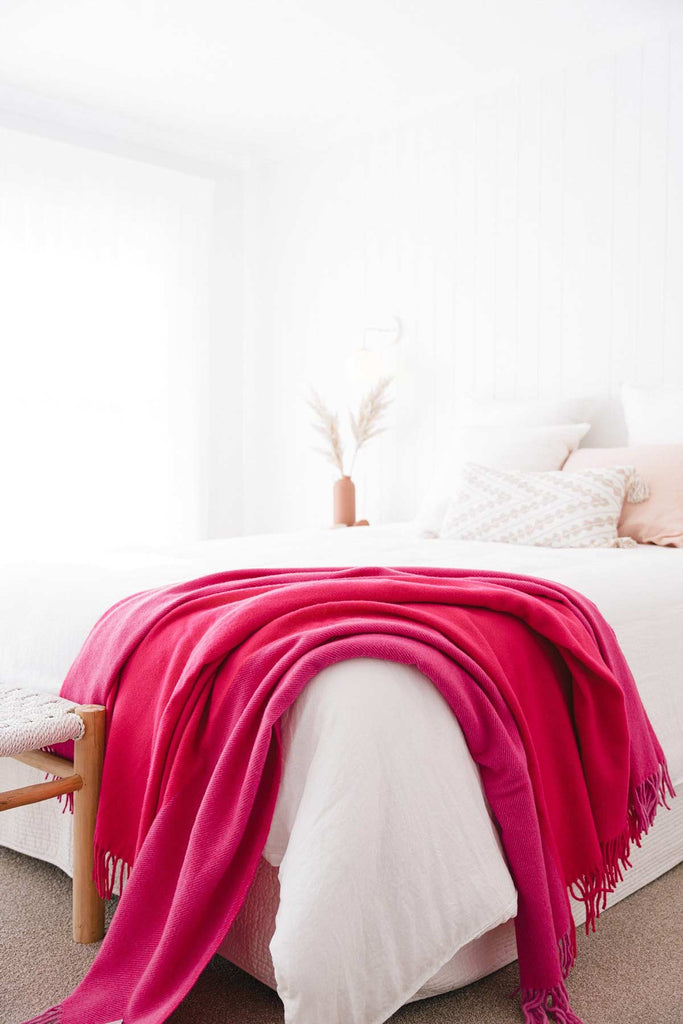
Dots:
{"x": 88, "y": 908}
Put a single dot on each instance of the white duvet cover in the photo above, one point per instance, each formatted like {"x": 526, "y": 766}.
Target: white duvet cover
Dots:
{"x": 388, "y": 861}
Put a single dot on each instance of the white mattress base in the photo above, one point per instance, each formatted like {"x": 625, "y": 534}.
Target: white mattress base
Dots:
{"x": 248, "y": 940}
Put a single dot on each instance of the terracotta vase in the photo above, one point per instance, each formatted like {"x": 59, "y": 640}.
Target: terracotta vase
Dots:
{"x": 344, "y": 501}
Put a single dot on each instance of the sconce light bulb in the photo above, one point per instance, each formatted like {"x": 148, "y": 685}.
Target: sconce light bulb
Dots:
{"x": 363, "y": 368}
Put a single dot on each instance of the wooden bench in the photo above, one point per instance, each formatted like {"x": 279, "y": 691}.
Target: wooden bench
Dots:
{"x": 30, "y": 721}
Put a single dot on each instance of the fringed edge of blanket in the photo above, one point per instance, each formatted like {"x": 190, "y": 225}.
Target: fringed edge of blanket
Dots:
{"x": 593, "y": 888}
{"x": 51, "y": 1016}
{"x": 65, "y": 800}
{"x": 537, "y": 1003}
{"x": 108, "y": 871}
{"x": 566, "y": 948}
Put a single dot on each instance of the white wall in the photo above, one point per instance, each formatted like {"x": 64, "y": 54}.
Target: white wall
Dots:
{"x": 224, "y": 397}
{"x": 111, "y": 341}
{"x": 531, "y": 241}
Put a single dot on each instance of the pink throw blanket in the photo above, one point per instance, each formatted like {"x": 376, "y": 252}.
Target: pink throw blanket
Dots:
{"x": 195, "y": 678}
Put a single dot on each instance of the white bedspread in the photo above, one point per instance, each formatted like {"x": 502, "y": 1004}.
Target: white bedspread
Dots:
{"x": 388, "y": 860}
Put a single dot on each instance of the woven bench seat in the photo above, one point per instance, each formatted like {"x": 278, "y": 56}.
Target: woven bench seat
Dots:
{"x": 30, "y": 720}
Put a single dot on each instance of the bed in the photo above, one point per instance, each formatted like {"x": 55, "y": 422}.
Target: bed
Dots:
{"x": 355, "y": 830}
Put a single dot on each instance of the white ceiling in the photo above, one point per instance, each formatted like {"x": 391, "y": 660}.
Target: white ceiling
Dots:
{"x": 218, "y": 82}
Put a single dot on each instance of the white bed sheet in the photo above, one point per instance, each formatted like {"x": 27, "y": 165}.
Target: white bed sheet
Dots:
{"x": 388, "y": 863}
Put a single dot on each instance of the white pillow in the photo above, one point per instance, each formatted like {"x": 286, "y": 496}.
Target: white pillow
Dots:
{"x": 543, "y": 509}
{"x": 519, "y": 447}
{"x": 653, "y": 415}
{"x": 534, "y": 412}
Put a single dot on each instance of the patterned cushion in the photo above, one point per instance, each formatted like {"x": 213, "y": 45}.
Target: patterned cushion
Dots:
{"x": 553, "y": 509}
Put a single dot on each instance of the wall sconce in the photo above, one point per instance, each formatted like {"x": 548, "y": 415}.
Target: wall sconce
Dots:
{"x": 368, "y": 363}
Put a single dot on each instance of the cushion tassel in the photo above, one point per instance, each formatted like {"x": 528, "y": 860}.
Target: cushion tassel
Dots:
{"x": 638, "y": 490}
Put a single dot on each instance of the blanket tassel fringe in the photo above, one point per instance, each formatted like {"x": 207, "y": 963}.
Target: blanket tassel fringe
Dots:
{"x": 537, "y": 1003}
{"x": 593, "y": 888}
{"x": 110, "y": 873}
{"x": 65, "y": 800}
{"x": 51, "y": 1016}
{"x": 545, "y": 1005}
{"x": 567, "y": 950}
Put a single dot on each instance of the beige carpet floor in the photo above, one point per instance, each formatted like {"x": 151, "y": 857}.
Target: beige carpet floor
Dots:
{"x": 630, "y": 972}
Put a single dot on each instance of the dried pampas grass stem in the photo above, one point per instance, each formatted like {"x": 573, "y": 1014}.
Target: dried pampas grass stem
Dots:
{"x": 327, "y": 424}
{"x": 366, "y": 425}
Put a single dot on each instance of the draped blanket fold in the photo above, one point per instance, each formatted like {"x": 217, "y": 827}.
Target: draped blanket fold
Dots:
{"x": 195, "y": 678}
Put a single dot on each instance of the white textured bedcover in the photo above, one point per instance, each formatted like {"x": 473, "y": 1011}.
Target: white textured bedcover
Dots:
{"x": 382, "y": 863}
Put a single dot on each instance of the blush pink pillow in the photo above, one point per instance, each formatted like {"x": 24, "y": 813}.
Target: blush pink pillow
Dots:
{"x": 659, "y": 520}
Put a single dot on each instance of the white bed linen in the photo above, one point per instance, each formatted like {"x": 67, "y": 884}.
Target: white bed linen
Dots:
{"x": 388, "y": 862}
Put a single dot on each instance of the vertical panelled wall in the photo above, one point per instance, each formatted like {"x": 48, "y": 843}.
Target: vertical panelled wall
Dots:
{"x": 531, "y": 242}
